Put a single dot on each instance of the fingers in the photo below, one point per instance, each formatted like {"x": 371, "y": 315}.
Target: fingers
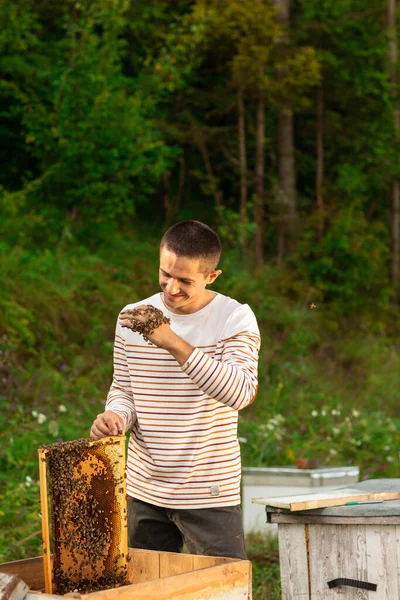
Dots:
{"x": 106, "y": 424}
{"x": 125, "y": 322}
{"x": 127, "y": 318}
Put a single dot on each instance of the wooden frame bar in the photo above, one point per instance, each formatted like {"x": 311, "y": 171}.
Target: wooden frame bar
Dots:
{"x": 44, "y": 506}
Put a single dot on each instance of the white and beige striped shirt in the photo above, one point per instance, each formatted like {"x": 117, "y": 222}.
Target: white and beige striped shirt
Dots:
{"x": 183, "y": 448}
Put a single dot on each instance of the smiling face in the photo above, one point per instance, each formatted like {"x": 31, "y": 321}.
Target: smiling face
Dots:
{"x": 183, "y": 283}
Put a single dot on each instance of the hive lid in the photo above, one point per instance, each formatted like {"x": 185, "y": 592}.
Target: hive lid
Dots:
{"x": 333, "y": 498}
{"x": 369, "y": 487}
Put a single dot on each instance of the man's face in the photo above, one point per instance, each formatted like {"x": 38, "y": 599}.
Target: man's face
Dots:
{"x": 182, "y": 282}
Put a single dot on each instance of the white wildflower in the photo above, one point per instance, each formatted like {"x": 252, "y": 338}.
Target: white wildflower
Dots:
{"x": 390, "y": 458}
{"x": 34, "y": 414}
{"x": 355, "y": 413}
{"x": 62, "y": 408}
{"x": 242, "y": 440}
{"x": 41, "y": 418}
{"x": 323, "y": 412}
{"x": 28, "y": 481}
{"x": 332, "y": 451}
{"x": 335, "y": 431}
{"x": 314, "y": 413}
{"x": 270, "y": 426}
{"x": 386, "y": 448}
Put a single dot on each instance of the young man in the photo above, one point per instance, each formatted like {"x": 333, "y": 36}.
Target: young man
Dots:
{"x": 179, "y": 393}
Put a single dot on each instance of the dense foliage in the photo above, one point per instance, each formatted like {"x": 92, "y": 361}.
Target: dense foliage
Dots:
{"x": 273, "y": 118}
{"x": 276, "y": 122}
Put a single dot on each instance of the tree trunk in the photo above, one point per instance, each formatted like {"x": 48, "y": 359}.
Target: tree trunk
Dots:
{"x": 393, "y": 56}
{"x": 286, "y": 152}
{"x": 319, "y": 179}
{"x": 395, "y": 240}
{"x": 201, "y": 143}
{"x": 172, "y": 204}
{"x": 287, "y": 172}
{"x": 259, "y": 208}
{"x": 243, "y": 167}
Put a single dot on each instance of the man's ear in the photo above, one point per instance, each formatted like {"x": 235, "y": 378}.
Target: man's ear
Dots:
{"x": 213, "y": 276}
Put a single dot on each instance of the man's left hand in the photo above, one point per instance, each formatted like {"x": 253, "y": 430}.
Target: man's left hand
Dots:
{"x": 143, "y": 315}
{"x": 161, "y": 336}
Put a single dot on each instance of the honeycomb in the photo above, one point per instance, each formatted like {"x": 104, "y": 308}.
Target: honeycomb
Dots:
{"x": 88, "y": 514}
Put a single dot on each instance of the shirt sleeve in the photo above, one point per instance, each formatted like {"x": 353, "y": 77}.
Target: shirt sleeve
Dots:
{"x": 231, "y": 377}
{"x": 120, "y": 397}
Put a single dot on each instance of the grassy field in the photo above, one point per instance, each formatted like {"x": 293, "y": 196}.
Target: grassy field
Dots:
{"x": 328, "y": 384}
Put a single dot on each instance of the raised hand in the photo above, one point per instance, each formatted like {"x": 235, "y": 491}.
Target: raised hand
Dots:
{"x": 144, "y": 319}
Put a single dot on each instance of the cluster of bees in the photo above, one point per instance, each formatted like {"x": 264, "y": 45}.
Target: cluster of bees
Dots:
{"x": 145, "y": 319}
{"x": 87, "y": 519}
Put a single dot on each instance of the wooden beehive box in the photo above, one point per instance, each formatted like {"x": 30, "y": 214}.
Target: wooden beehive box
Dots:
{"x": 156, "y": 576}
{"x": 341, "y": 552}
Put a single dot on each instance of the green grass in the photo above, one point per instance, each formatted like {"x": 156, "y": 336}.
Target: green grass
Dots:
{"x": 263, "y": 551}
{"x": 328, "y": 385}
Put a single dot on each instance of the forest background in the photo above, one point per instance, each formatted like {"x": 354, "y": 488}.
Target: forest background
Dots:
{"x": 276, "y": 122}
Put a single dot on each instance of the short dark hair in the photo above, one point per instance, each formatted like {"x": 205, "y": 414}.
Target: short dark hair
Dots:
{"x": 194, "y": 239}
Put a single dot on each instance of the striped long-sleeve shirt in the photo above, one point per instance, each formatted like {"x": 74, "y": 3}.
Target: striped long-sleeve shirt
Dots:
{"x": 183, "y": 448}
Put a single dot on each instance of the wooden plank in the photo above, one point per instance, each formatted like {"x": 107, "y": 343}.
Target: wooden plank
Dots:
{"x": 322, "y": 564}
{"x": 223, "y": 582}
{"x": 382, "y": 561}
{"x": 44, "y": 507}
{"x": 324, "y": 499}
{"x": 288, "y": 518}
{"x": 172, "y": 563}
{"x": 397, "y": 533}
{"x": 202, "y": 562}
{"x": 362, "y": 559}
{"x": 352, "y": 561}
{"x": 29, "y": 569}
{"x": 40, "y": 596}
{"x": 293, "y": 562}
{"x": 144, "y": 565}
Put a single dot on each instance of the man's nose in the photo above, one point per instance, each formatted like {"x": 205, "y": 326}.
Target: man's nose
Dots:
{"x": 173, "y": 286}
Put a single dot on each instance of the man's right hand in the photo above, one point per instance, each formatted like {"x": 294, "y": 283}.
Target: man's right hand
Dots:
{"x": 105, "y": 424}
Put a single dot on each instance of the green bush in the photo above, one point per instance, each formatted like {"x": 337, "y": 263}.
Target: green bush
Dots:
{"x": 349, "y": 266}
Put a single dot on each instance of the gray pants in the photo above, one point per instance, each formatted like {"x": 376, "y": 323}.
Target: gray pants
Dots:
{"x": 206, "y": 531}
